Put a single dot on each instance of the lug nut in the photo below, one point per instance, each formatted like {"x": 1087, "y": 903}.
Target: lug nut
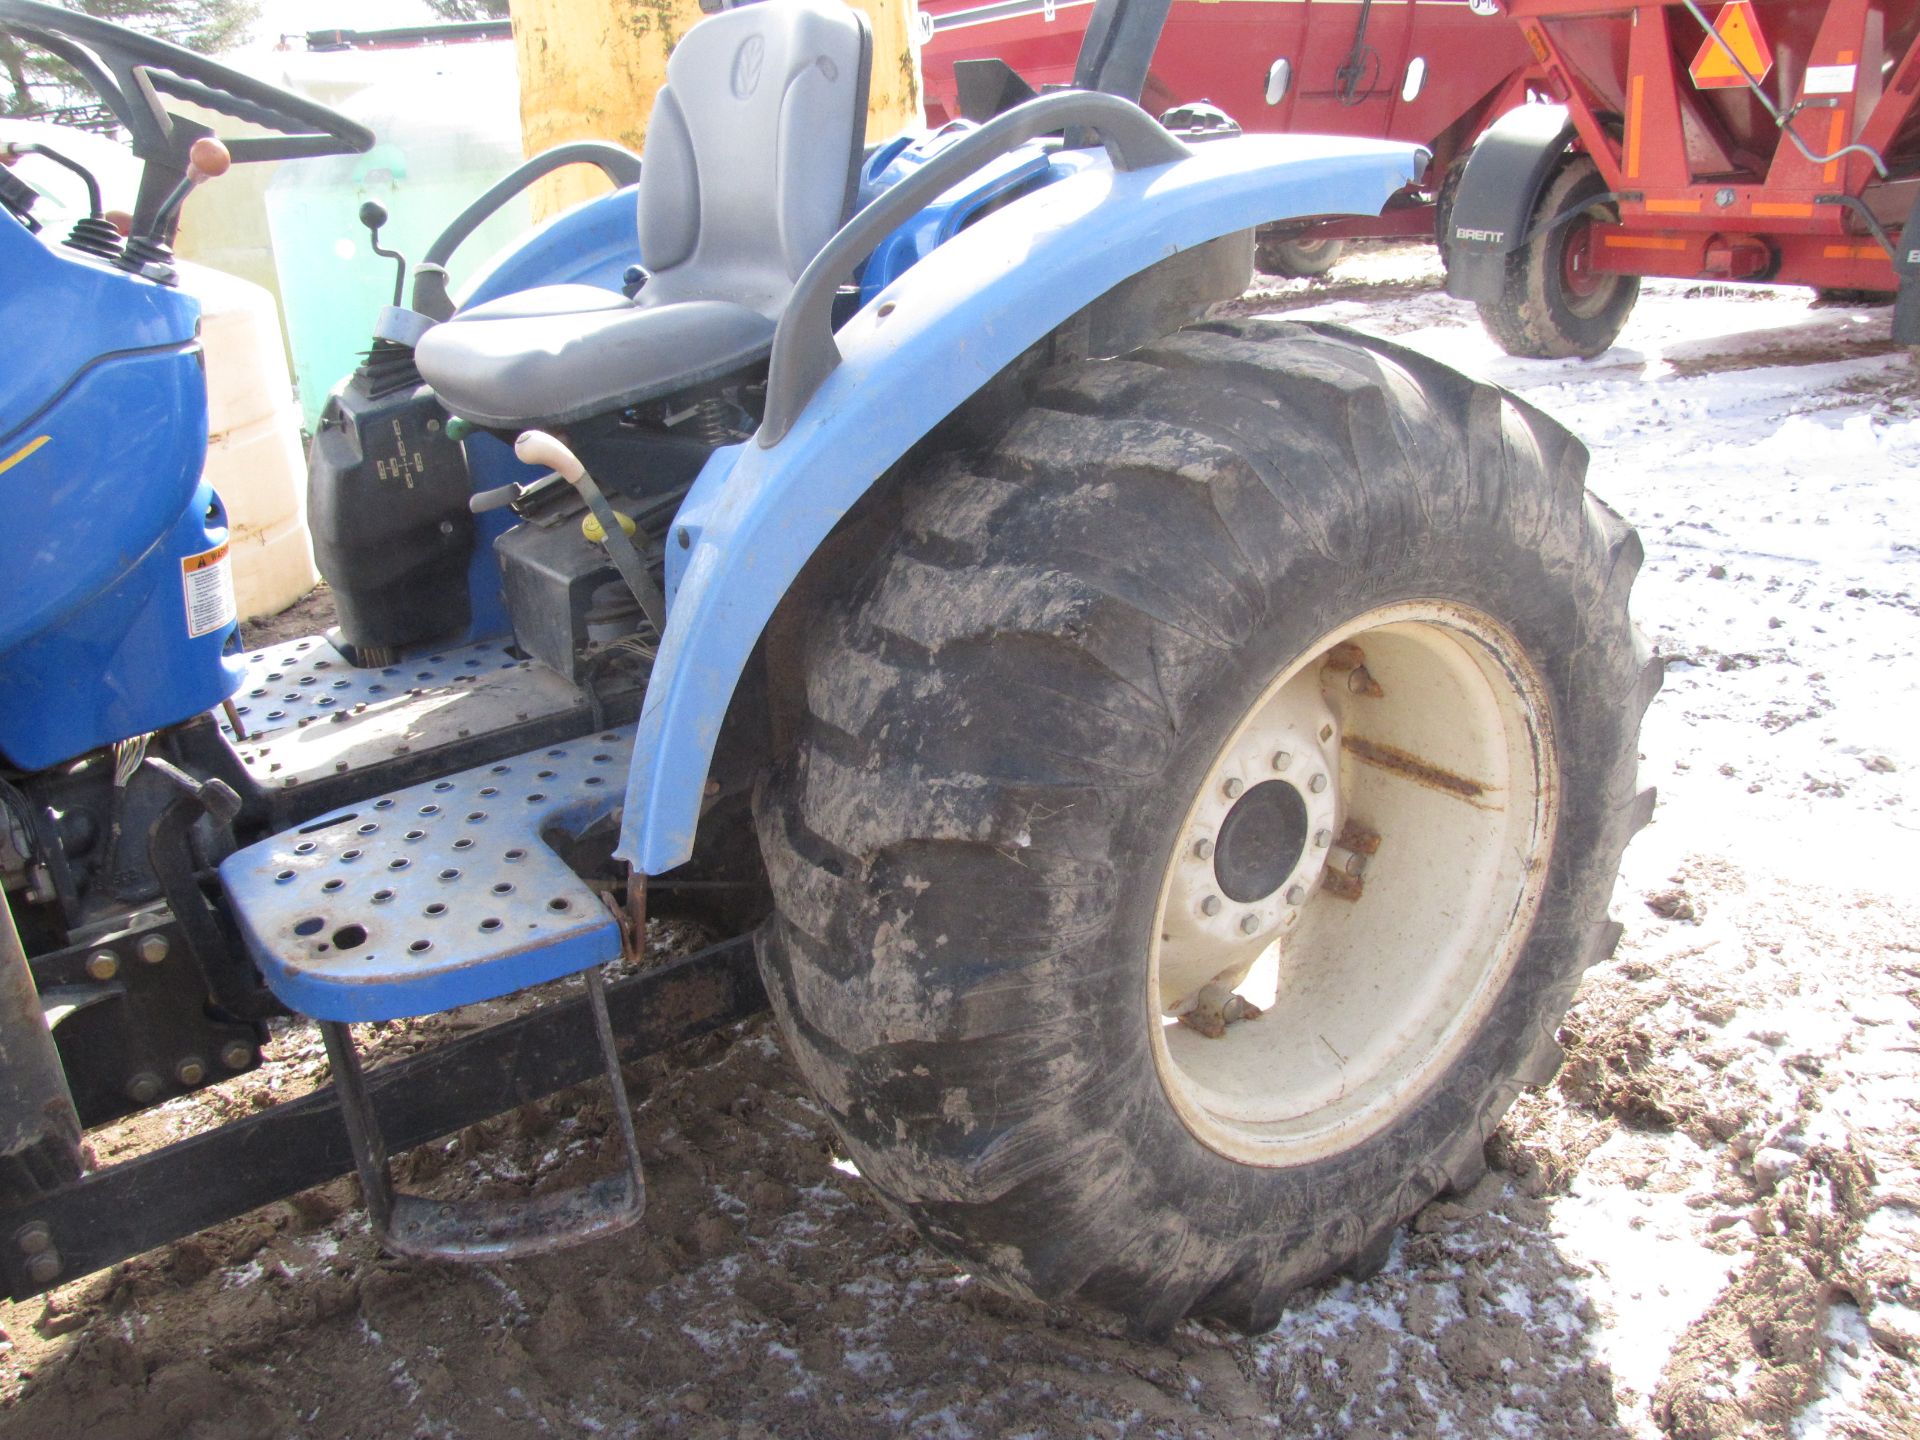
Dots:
{"x": 236, "y": 1055}
{"x": 1249, "y": 924}
{"x": 34, "y": 1238}
{"x": 144, "y": 1088}
{"x": 190, "y": 1071}
{"x": 1297, "y": 895}
{"x": 153, "y": 948}
{"x": 1322, "y": 839}
{"x": 1210, "y": 905}
{"x": 42, "y": 1269}
{"x": 1233, "y": 788}
{"x": 1281, "y": 759}
{"x": 1317, "y": 784}
{"x": 1356, "y": 864}
{"x": 1203, "y": 849}
{"x": 103, "y": 965}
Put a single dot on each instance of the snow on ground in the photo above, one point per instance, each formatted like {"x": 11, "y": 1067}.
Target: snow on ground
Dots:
{"x": 1707, "y": 1225}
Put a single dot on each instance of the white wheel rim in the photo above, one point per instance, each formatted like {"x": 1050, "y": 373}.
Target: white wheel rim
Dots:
{"x": 1439, "y": 744}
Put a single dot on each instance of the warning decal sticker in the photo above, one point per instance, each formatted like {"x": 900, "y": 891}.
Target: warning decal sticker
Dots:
{"x": 208, "y": 577}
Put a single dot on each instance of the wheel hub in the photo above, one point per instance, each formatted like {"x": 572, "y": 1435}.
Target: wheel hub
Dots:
{"x": 1256, "y": 844}
{"x": 1261, "y": 841}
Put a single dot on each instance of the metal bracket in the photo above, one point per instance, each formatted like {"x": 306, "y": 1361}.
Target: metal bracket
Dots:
{"x": 481, "y": 1230}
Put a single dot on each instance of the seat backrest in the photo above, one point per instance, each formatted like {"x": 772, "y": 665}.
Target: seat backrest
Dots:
{"x": 753, "y": 152}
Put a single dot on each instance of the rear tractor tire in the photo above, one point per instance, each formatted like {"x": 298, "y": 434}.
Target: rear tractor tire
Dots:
{"x": 1207, "y": 801}
{"x": 1555, "y": 305}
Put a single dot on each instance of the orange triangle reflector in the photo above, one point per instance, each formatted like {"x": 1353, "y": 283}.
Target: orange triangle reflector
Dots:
{"x": 1739, "y": 27}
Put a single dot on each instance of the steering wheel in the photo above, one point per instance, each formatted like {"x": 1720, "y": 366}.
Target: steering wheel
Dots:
{"x": 131, "y": 71}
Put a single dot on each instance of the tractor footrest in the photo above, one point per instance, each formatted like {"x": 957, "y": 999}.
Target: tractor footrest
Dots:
{"x": 478, "y": 1230}
{"x": 442, "y": 894}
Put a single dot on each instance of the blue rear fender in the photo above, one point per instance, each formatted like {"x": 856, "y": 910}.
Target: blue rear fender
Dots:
{"x": 922, "y": 345}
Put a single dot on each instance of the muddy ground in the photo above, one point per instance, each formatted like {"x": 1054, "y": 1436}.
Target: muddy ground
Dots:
{"x": 1707, "y": 1225}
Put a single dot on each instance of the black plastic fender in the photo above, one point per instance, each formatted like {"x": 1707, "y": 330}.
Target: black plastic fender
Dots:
{"x": 1505, "y": 173}
{"x": 1906, "y": 264}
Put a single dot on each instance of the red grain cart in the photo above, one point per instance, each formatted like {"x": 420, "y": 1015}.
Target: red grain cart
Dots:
{"x": 1432, "y": 72}
{"x": 1762, "y": 140}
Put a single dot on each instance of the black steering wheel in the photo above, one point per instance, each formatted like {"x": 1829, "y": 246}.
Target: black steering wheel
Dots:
{"x": 130, "y": 72}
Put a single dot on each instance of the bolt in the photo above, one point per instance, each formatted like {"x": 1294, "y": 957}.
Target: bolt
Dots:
{"x": 1203, "y": 849}
{"x": 1210, "y": 905}
{"x": 190, "y": 1071}
{"x": 1296, "y": 895}
{"x": 144, "y": 1088}
{"x": 1233, "y": 788}
{"x": 1317, "y": 784}
{"x": 1249, "y": 924}
{"x": 153, "y": 948}
{"x": 1322, "y": 839}
{"x": 103, "y": 965}
{"x": 236, "y": 1055}
{"x": 34, "y": 1238}
{"x": 1281, "y": 759}
{"x": 42, "y": 1269}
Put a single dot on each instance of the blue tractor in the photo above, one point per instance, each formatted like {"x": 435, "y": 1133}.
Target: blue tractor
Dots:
{"x": 1166, "y": 773}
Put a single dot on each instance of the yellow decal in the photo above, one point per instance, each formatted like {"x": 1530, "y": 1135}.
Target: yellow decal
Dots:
{"x": 23, "y": 452}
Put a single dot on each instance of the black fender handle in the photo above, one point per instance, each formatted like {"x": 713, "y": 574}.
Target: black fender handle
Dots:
{"x": 804, "y": 351}
{"x": 430, "y": 296}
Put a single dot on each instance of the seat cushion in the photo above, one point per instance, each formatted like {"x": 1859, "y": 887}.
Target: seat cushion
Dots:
{"x": 529, "y": 359}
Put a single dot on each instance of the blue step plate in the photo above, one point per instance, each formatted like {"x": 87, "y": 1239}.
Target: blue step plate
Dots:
{"x": 434, "y": 896}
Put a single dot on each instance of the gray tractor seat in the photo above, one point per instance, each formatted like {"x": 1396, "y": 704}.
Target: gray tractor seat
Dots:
{"x": 751, "y": 164}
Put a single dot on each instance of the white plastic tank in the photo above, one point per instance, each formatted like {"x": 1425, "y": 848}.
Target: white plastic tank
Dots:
{"x": 254, "y": 458}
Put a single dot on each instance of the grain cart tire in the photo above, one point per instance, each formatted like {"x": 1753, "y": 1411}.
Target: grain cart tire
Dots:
{"x": 1125, "y": 697}
{"x": 1298, "y": 259}
{"x": 1554, "y": 304}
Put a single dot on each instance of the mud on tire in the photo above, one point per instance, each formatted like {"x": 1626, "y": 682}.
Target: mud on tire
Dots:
{"x": 1008, "y": 711}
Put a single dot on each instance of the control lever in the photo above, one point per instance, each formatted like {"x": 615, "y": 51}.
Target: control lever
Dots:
{"x": 373, "y": 215}
{"x": 536, "y": 447}
{"x": 150, "y": 255}
{"x": 207, "y": 159}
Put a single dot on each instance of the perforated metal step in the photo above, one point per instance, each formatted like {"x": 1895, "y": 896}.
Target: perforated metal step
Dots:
{"x": 308, "y": 714}
{"x": 437, "y": 895}
{"x": 308, "y": 679}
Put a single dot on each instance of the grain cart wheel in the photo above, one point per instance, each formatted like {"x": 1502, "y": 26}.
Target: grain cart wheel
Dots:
{"x": 1555, "y": 304}
{"x": 1095, "y": 746}
{"x": 1298, "y": 259}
